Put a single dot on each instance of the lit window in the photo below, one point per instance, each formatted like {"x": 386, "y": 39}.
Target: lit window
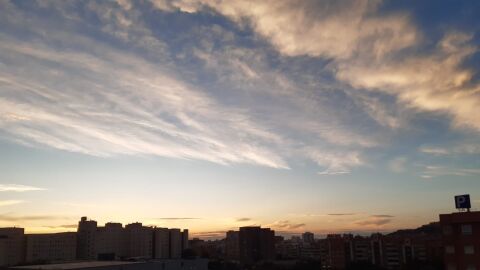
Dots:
{"x": 447, "y": 230}
{"x": 450, "y": 249}
{"x": 469, "y": 249}
{"x": 466, "y": 229}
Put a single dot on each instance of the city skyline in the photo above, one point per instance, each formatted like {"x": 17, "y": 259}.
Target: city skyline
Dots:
{"x": 320, "y": 116}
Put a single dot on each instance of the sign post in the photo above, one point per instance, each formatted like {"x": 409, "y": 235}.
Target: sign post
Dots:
{"x": 462, "y": 202}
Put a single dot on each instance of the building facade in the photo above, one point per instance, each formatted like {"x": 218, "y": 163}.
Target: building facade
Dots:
{"x": 86, "y": 239}
{"x": 256, "y": 244}
{"x": 52, "y": 247}
{"x": 461, "y": 240}
{"x": 139, "y": 240}
{"x": 161, "y": 243}
{"x": 13, "y": 245}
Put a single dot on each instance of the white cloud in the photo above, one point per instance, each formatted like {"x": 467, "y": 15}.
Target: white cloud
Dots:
{"x": 335, "y": 162}
{"x": 328, "y": 28}
{"x": 121, "y": 104}
{"x": 18, "y": 188}
{"x": 112, "y": 102}
{"x": 331, "y": 172}
{"x": 98, "y": 100}
{"x": 437, "y": 171}
{"x": 434, "y": 82}
{"x": 434, "y": 150}
{"x": 10, "y": 202}
{"x": 461, "y": 148}
{"x": 367, "y": 49}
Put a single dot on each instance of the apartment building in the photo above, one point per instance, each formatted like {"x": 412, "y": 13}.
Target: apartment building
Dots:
{"x": 52, "y": 247}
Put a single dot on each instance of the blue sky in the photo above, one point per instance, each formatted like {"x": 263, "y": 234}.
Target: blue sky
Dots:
{"x": 325, "y": 116}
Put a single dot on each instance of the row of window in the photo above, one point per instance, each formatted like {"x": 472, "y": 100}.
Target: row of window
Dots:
{"x": 468, "y": 249}
{"x": 453, "y": 267}
{"x": 466, "y": 229}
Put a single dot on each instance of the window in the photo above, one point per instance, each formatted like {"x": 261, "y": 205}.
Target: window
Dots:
{"x": 466, "y": 229}
{"x": 449, "y": 249}
{"x": 447, "y": 230}
{"x": 451, "y": 267}
{"x": 469, "y": 249}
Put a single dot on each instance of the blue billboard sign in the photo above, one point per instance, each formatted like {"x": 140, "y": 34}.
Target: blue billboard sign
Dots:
{"x": 462, "y": 201}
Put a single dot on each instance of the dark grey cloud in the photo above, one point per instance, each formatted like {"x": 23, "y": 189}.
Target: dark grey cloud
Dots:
{"x": 383, "y": 216}
{"x": 68, "y": 226}
{"x": 374, "y": 221}
{"x": 286, "y": 224}
{"x": 341, "y": 214}
{"x": 243, "y": 219}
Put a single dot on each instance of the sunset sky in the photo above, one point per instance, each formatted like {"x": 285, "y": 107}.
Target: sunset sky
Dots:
{"x": 322, "y": 116}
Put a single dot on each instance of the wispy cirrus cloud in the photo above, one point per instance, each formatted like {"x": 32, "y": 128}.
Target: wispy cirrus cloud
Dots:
{"x": 67, "y": 226}
{"x": 177, "y": 218}
{"x": 434, "y": 150}
{"x": 164, "y": 125}
{"x": 437, "y": 171}
{"x": 147, "y": 105}
{"x": 18, "y": 188}
{"x": 354, "y": 36}
{"x": 462, "y": 148}
{"x": 205, "y": 97}
{"x": 10, "y": 202}
{"x": 26, "y": 218}
{"x": 341, "y": 214}
{"x": 382, "y": 216}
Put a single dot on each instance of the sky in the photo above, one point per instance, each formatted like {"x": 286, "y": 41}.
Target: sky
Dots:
{"x": 323, "y": 116}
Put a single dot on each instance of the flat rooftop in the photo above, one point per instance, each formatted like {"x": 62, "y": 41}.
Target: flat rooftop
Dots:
{"x": 460, "y": 217}
{"x": 74, "y": 265}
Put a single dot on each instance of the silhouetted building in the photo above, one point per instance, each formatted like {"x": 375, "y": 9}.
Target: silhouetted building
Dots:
{"x": 51, "y": 247}
{"x": 161, "y": 243}
{"x": 212, "y": 249}
{"x": 3, "y": 251}
{"x": 13, "y": 245}
{"x": 175, "y": 243}
{"x": 288, "y": 249}
{"x": 333, "y": 252}
{"x": 86, "y": 239}
{"x": 232, "y": 246}
{"x": 394, "y": 251}
{"x": 185, "y": 239}
{"x": 256, "y": 244}
{"x": 194, "y": 264}
{"x": 139, "y": 240}
{"x": 308, "y": 237}
{"x": 91, "y": 242}
{"x": 461, "y": 240}
{"x": 111, "y": 242}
